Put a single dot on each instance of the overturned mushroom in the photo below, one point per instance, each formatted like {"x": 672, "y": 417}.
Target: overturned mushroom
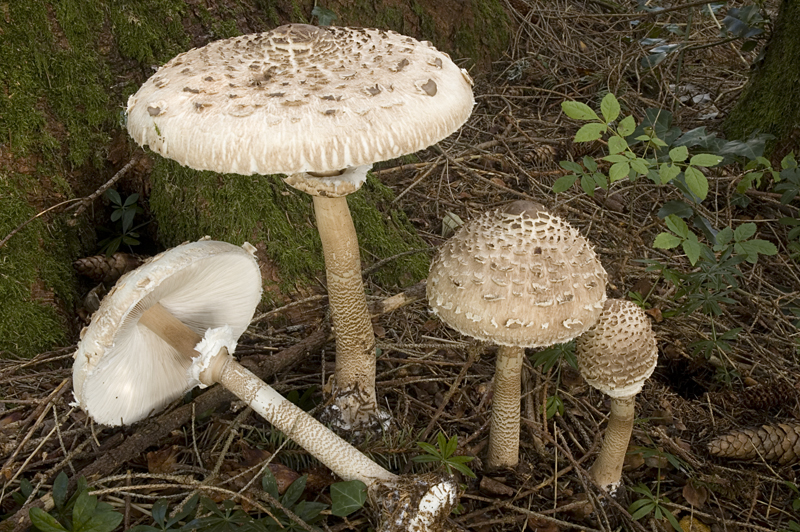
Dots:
{"x": 617, "y": 356}
{"x": 518, "y": 277}
{"x": 322, "y": 105}
{"x": 173, "y": 323}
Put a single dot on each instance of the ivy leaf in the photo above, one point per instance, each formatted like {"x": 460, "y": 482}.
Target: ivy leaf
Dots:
{"x": 666, "y": 241}
{"x": 589, "y": 132}
{"x": 696, "y": 182}
{"x": 579, "y": 111}
{"x": 609, "y": 107}
{"x": 347, "y": 497}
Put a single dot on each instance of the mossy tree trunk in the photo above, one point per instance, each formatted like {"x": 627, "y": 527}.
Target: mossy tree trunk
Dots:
{"x": 771, "y": 101}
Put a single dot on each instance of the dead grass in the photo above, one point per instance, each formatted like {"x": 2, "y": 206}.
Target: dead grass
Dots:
{"x": 434, "y": 380}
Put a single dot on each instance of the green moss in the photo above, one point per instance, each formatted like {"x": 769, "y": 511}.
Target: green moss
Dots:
{"x": 266, "y": 212}
{"x": 36, "y": 278}
{"x": 149, "y": 31}
{"x": 487, "y": 35}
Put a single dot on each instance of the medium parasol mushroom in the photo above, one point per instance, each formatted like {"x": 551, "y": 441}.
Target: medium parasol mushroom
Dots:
{"x": 617, "y": 356}
{"x": 322, "y": 105}
{"x": 518, "y": 277}
{"x": 173, "y": 323}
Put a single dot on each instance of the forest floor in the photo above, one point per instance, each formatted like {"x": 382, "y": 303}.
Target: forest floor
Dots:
{"x": 717, "y": 371}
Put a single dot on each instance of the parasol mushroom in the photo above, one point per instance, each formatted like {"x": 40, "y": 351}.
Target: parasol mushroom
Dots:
{"x": 518, "y": 277}
{"x": 173, "y": 324}
{"x": 321, "y": 105}
{"x": 617, "y": 356}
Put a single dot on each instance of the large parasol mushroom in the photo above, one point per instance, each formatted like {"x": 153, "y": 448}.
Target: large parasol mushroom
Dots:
{"x": 518, "y": 277}
{"x": 173, "y": 323}
{"x": 322, "y": 105}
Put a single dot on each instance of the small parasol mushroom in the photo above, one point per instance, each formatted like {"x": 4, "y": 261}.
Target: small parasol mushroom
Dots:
{"x": 173, "y": 323}
{"x": 322, "y": 105}
{"x": 617, "y": 356}
{"x": 518, "y": 277}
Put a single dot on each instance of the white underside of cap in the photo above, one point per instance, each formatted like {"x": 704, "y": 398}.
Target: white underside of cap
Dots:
{"x": 209, "y": 347}
{"x": 335, "y": 186}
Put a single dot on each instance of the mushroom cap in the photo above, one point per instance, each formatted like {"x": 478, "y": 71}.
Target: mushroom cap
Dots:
{"x": 123, "y": 371}
{"x": 300, "y": 98}
{"x": 517, "y": 276}
{"x": 619, "y": 353}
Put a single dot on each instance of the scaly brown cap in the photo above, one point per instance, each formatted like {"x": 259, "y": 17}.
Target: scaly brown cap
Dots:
{"x": 518, "y": 276}
{"x": 300, "y": 98}
{"x": 619, "y": 353}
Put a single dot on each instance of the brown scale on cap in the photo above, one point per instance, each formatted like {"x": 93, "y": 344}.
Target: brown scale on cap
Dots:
{"x": 518, "y": 276}
{"x": 246, "y": 105}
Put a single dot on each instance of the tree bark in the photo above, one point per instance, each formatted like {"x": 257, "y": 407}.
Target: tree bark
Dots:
{"x": 770, "y": 102}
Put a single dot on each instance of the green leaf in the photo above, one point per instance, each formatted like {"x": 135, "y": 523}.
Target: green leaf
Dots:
{"x": 673, "y": 520}
{"x": 579, "y": 111}
{"x": 84, "y": 507}
{"x": 347, "y": 497}
{"x": 101, "y": 522}
{"x": 60, "y": 490}
{"x": 325, "y": 16}
{"x": 723, "y": 238}
{"x": 461, "y": 468}
{"x": 113, "y": 197}
{"x": 677, "y": 226}
{"x": 571, "y": 166}
{"x": 640, "y": 166}
{"x": 130, "y": 200}
{"x": 753, "y": 248}
{"x": 600, "y": 180}
{"x": 617, "y": 144}
{"x": 269, "y": 483}
{"x": 589, "y": 132}
{"x": 564, "y": 183}
{"x": 679, "y": 154}
{"x": 294, "y": 492}
{"x": 691, "y": 246}
{"x": 666, "y": 241}
{"x": 588, "y": 184}
{"x": 744, "y": 231}
{"x": 617, "y": 158}
{"x": 626, "y": 126}
{"x": 609, "y": 107}
{"x": 589, "y": 163}
{"x": 159, "y": 512}
{"x": 641, "y": 508}
{"x": 428, "y": 448}
{"x": 696, "y": 182}
{"x": 618, "y": 171}
{"x": 44, "y": 521}
{"x": 705, "y": 159}
{"x": 450, "y": 445}
{"x": 668, "y": 172}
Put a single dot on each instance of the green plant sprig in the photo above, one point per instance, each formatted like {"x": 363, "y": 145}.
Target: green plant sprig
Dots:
{"x": 444, "y": 455}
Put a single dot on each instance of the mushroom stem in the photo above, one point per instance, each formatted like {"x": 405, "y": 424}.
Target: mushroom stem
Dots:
{"x": 607, "y": 468}
{"x": 504, "y": 432}
{"x": 354, "y": 378}
{"x": 338, "y": 455}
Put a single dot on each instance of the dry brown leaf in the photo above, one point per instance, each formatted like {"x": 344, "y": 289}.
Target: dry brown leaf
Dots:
{"x": 697, "y": 496}
{"x": 163, "y": 461}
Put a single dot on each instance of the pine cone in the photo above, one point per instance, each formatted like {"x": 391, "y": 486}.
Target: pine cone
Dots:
{"x": 774, "y": 443}
{"x": 106, "y": 269}
{"x": 768, "y": 396}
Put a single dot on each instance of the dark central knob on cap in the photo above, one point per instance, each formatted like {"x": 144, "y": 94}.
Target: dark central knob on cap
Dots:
{"x": 296, "y": 33}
